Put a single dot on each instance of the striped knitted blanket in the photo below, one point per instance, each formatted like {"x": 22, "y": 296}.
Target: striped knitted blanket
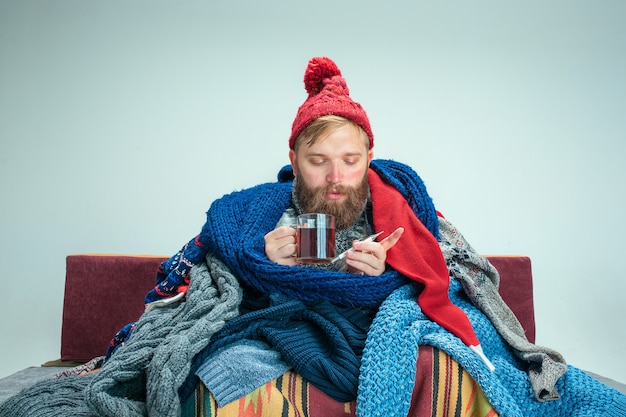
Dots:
{"x": 443, "y": 388}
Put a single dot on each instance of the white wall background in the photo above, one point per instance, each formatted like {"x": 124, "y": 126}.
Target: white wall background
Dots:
{"x": 121, "y": 121}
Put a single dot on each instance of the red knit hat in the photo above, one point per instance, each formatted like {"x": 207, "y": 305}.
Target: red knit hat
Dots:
{"x": 328, "y": 94}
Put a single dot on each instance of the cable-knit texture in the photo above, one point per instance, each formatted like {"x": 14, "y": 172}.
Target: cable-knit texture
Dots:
{"x": 51, "y": 398}
{"x": 237, "y": 223}
{"x": 143, "y": 376}
{"x": 166, "y": 340}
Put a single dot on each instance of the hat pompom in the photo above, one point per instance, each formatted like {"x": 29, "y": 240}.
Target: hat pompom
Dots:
{"x": 317, "y": 71}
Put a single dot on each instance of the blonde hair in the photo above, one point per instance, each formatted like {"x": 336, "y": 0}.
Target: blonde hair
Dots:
{"x": 320, "y": 126}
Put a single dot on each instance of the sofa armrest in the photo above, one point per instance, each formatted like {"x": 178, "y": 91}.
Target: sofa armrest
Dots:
{"x": 105, "y": 292}
{"x": 102, "y": 294}
{"x": 516, "y": 289}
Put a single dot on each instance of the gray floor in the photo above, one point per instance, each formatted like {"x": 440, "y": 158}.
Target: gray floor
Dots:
{"x": 13, "y": 384}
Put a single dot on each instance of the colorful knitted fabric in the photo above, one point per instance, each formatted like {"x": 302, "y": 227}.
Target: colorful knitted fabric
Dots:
{"x": 237, "y": 223}
{"x": 417, "y": 256}
{"x": 120, "y": 338}
{"x": 443, "y": 389}
{"x": 173, "y": 274}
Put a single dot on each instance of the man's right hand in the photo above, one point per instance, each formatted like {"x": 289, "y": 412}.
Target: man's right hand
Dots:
{"x": 280, "y": 245}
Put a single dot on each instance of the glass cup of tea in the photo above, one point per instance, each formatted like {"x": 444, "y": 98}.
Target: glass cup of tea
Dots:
{"x": 315, "y": 238}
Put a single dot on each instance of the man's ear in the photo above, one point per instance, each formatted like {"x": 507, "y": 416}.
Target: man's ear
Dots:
{"x": 292, "y": 158}
{"x": 370, "y": 156}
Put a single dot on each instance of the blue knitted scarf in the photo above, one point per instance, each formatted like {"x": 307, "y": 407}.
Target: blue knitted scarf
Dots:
{"x": 235, "y": 229}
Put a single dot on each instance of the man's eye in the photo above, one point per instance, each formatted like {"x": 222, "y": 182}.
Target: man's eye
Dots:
{"x": 317, "y": 161}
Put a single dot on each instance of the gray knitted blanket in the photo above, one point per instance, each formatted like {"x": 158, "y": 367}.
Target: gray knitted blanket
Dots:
{"x": 143, "y": 376}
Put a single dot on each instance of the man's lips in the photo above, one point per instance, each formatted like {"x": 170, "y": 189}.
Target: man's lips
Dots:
{"x": 334, "y": 195}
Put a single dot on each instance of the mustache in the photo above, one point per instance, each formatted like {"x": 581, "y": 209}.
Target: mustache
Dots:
{"x": 335, "y": 188}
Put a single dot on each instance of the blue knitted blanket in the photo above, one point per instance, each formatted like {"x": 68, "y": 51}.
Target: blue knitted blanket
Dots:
{"x": 388, "y": 366}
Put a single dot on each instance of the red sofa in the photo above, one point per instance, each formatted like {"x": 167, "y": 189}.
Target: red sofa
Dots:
{"x": 105, "y": 292}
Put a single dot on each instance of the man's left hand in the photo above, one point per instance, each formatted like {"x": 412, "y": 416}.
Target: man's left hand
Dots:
{"x": 370, "y": 257}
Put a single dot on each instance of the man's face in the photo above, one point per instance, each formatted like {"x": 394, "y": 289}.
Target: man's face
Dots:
{"x": 332, "y": 174}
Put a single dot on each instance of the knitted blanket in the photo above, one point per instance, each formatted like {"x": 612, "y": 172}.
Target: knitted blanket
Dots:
{"x": 388, "y": 366}
{"x": 144, "y": 375}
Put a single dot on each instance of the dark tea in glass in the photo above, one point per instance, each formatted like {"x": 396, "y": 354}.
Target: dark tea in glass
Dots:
{"x": 315, "y": 238}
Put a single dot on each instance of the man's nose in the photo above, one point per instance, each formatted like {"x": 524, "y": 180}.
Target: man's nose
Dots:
{"x": 335, "y": 174}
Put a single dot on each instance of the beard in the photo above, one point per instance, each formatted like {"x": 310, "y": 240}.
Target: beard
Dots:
{"x": 346, "y": 212}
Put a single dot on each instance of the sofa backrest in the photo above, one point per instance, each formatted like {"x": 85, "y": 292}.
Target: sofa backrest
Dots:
{"x": 105, "y": 292}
